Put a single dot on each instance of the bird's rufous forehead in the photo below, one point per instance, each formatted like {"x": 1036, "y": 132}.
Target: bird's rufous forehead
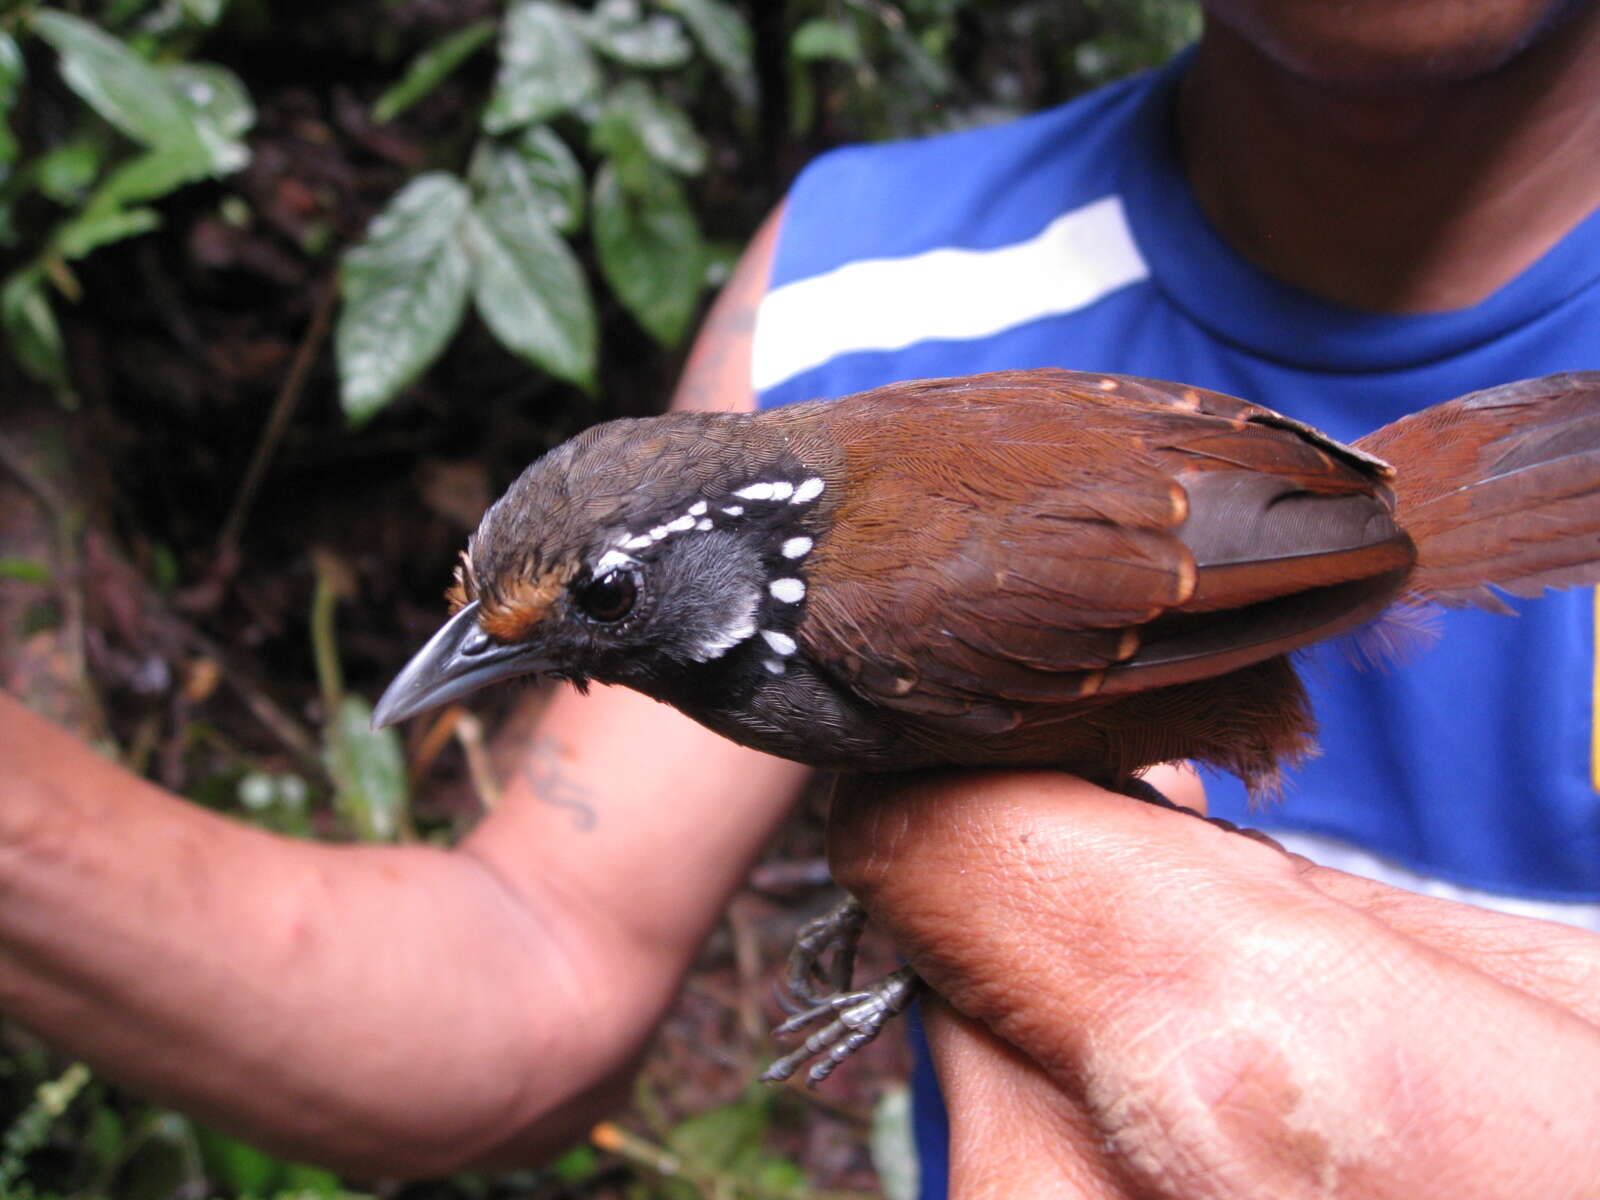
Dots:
{"x": 511, "y": 609}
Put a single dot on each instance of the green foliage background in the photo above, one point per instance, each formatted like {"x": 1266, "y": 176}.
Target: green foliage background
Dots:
{"x": 530, "y": 204}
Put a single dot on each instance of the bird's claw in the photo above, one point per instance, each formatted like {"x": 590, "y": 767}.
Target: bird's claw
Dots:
{"x": 809, "y": 983}
{"x": 858, "y": 1017}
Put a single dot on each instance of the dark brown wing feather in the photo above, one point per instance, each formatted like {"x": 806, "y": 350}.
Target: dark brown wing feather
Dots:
{"x": 1028, "y": 538}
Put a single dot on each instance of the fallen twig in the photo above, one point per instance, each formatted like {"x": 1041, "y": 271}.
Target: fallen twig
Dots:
{"x": 283, "y": 407}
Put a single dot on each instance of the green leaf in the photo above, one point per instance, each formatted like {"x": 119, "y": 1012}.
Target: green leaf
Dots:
{"x": 820, "y": 39}
{"x": 31, "y": 329}
{"x": 87, "y": 232}
{"x": 722, "y": 1137}
{"x": 774, "y": 1174}
{"x": 302, "y": 1182}
{"x": 725, "y": 36}
{"x": 23, "y": 570}
{"x": 619, "y": 31}
{"x": 431, "y": 68}
{"x": 64, "y": 172}
{"x": 12, "y": 72}
{"x": 530, "y": 290}
{"x": 238, "y": 1166}
{"x": 119, "y": 85}
{"x": 149, "y": 176}
{"x": 538, "y": 170}
{"x": 404, "y": 288}
{"x": 368, "y": 770}
{"x": 659, "y": 126}
{"x": 216, "y": 98}
{"x": 546, "y": 67}
{"x": 577, "y": 1165}
{"x": 650, "y": 251}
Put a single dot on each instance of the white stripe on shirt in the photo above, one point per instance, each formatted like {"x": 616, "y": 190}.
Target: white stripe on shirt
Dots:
{"x": 889, "y": 303}
{"x": 1353, "y": 860}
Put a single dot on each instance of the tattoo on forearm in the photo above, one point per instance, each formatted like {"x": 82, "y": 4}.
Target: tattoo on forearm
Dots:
{"x": 542, "y": 771}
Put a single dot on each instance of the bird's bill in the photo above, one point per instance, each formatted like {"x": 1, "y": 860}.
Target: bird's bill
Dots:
{"x": 459, "y": 659}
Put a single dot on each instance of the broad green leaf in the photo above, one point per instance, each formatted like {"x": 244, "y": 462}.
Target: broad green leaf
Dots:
{"x": 89, "y": 230}
{"x": 431, "y": 68}
{"x": 529, "y": 288}
{"x": 368, "y": 770}
{"x": 12, "y": 73}
{"x": 661, "y": 127}
{"x": 404, "y": 288}
{"x": 119, "y": 85}
{"x": 650, "y": 251}
{"x": 150, "y": 176}
{"x": 63, "y": 173}
{"x": 823, "y": 39}
{"x": 615, "y": 139}
{"x": 620, "y": 31}
{"x": 215, "y": 96}
{"x": 31, "y": 329}
{"x": 546, "y": 67}
{"x": 536, "y": 168}
{"x": 724, "y": 35}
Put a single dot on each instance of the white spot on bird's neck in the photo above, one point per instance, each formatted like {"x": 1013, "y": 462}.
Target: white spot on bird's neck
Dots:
{"x": 796, "y": 547}
{"x": 789, "y": 590}
{"x": 756, "y": 491}
{"x": 697, "y": 509}
{"x": 734, "y": 510}
{"x": 807, "y": 491}
{"x": 782, "y": 643}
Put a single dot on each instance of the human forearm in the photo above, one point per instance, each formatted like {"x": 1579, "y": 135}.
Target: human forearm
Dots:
{"x": 393, "y": 1009}
{"x": 350, "y": 1005}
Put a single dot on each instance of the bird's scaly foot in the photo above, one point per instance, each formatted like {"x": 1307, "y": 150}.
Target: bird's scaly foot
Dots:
{"x": 858, "y": 1017}
{"x": 818, "y": 986}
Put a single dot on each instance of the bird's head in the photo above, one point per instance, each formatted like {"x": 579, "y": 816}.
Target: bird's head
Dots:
{"x": 629, "y": 555}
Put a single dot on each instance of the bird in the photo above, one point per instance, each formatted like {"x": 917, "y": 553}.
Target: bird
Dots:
{"x": 1042, "y": 568}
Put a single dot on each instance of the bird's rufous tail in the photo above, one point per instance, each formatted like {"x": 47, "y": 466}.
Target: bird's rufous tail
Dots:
{"x": 1500, "y": 490}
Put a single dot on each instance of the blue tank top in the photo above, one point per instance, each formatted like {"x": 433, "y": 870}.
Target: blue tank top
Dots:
{"x": 1071, "y": 239}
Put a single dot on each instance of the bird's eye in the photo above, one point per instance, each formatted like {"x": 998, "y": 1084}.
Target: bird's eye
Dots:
{"x": 610, "y": 597}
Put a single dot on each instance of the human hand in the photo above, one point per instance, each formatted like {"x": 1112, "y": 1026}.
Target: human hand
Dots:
{"x": 1137, "y": 1003}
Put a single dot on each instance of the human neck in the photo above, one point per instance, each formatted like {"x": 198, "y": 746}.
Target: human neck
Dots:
{"x": 1409, "y": 199}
